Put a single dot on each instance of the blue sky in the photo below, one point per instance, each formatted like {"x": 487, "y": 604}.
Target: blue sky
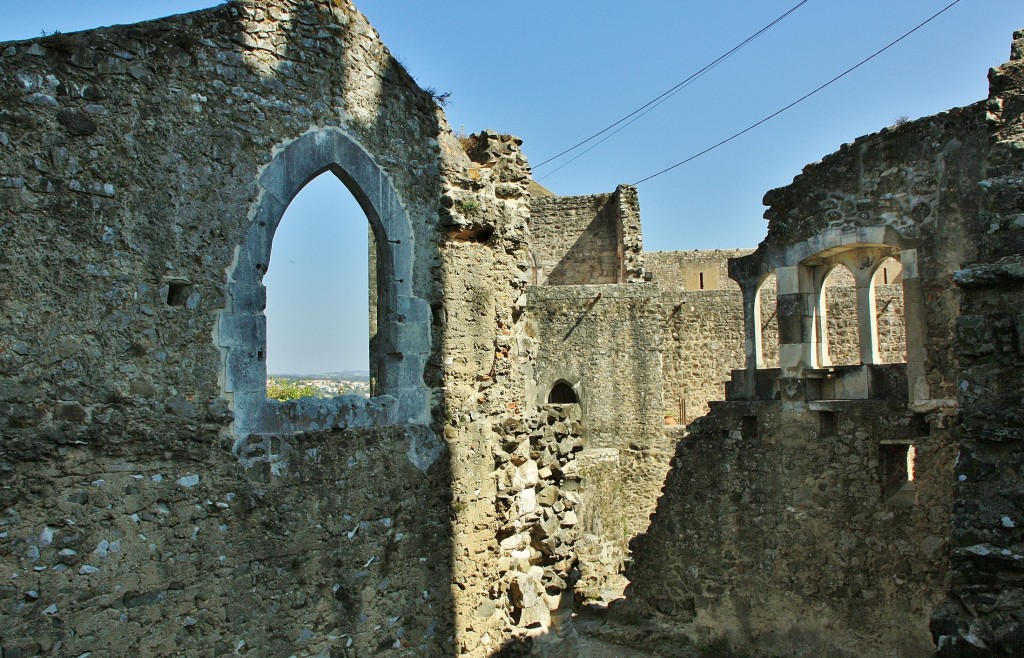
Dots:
{"x": 555, "y": 72}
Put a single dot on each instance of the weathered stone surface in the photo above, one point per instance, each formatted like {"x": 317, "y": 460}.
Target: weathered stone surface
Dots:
{"x": 156, "y": 503}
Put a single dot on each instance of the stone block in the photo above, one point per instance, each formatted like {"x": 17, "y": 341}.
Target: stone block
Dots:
{"x": 246, "y": 332}
{"x": 243, "y": 372}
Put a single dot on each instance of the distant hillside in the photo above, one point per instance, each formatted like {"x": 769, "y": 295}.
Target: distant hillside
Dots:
{"x": 341, "y": 375}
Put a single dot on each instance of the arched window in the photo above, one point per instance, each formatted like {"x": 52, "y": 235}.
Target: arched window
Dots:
{"x": 841, "y": 344}
{"x": 562, "y": 393}
{"x": 317, "y": 281}
{"x": 889, "y": 312}
{"x": 403, "y": 319}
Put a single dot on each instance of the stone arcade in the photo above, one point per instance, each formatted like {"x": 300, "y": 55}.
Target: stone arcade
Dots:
{"x": 574, "y": 447}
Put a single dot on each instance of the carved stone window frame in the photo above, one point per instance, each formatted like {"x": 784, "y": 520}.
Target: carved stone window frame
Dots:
{"x": 402, "y": 345}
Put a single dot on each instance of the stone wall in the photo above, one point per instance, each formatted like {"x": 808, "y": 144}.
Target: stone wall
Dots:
{"x": 916, "y": 183}
{"x": 180, "y": 552}
{"x": 982, "y": 614}
{"x": 703, "y": 345}
{"x": 141, "y": 171}
{"x": 154, "y": 502}
{"x": 134, "y": 158}
{"x": 482, "y": 354}
{"x": 586, "y": 239}
{"x": 788, "y": 526}
{"x": 777, "y": 534}
{"x": 606, "y": 342}
{"x": 688, "y": 270}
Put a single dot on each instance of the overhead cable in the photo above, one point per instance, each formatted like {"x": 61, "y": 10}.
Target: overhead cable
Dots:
{"x": 802, "y": 98}
{"x": 665, "y": 95}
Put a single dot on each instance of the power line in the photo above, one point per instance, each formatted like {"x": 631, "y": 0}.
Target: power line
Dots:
{"x": 664, "y": 96}
{"x": 802, "y": 98}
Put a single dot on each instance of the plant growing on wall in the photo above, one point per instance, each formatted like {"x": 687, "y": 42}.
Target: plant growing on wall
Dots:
{"x": 468, "y": 206}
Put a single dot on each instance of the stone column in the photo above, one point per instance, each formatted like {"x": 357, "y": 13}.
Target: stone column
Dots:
{"x": 821, "y": 318}
{"x": 810, "y": 281}
{"x": 914, "y": 327}
{"x": 795, "y": 322}
{"x": 867, "y": 322}
{"x": 752, "y": 348}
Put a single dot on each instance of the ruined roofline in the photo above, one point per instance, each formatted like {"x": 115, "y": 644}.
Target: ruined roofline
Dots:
{"x": 730, "y": 252}
{"x": 116, "y": 29}
{"x": 581, "y": 198}
{"x": 952, "y": 114}
{"x": 205, "y": 30}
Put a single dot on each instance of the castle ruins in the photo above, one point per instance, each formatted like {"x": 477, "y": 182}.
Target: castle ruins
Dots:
{"x": 573, "y": 446}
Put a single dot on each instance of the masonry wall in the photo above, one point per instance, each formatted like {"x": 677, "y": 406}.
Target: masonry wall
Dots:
{"x": 776, "y": 535}
{"x": 682, "y": 270}
{"x": 131, "y": 159}
{"x": 182, "y": 552}
{"x": 586, "y": 239}
{"x": 982, "y": 612}
{"x": 130, "y": 173}
{"x": 919, "y": 180}
{"x": 606, "y": 341}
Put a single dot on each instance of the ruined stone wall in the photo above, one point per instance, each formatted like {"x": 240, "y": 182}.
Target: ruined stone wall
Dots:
{"x": 183, "y": 553}
{"x": 606, "y": 342}
{"x": 682, "y": 270}
{"x": 777, "y": 535}
{"x": 703, "y": 344}
{"x": 918, "y": 180}
{"x": 484, "y": 351}
{"x": 131, "y": 158}
{"x": 985, "y": 605}
{"x": 586, "y": 239}
{"x": 779, "y": 530}
{"x": 130, "y": 174}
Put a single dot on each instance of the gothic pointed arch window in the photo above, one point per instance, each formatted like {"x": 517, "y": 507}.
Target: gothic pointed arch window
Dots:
{"x": 402, "y": 332}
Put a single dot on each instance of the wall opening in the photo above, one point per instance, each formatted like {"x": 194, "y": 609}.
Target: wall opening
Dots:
{"x": 766, "y": 302}
{"x": 702, "y": 281}
{"x": 748, "y": 428}
{"x": 828, "y": 423}
{"x": 896, "y": 472}
{"x": 178, "y": 292}
{"x": 841, "y": 342}
{"x": 562, "y": 393}
{"x": 318, "y": 328}
{"x": 402, "y": 318}
{"x": 889, "y": 312}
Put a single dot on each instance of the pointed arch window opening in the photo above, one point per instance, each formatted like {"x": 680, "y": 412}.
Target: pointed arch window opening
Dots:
{"x": 890, "y": 311}
{"x": 321, "y": 293}
{"x": 403, "y": 343}
{"x": 837, "y": 327}
{"x": 767, "y": 323}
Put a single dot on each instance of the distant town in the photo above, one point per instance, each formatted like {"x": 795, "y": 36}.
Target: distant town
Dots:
{"x": 348, "y": 382}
